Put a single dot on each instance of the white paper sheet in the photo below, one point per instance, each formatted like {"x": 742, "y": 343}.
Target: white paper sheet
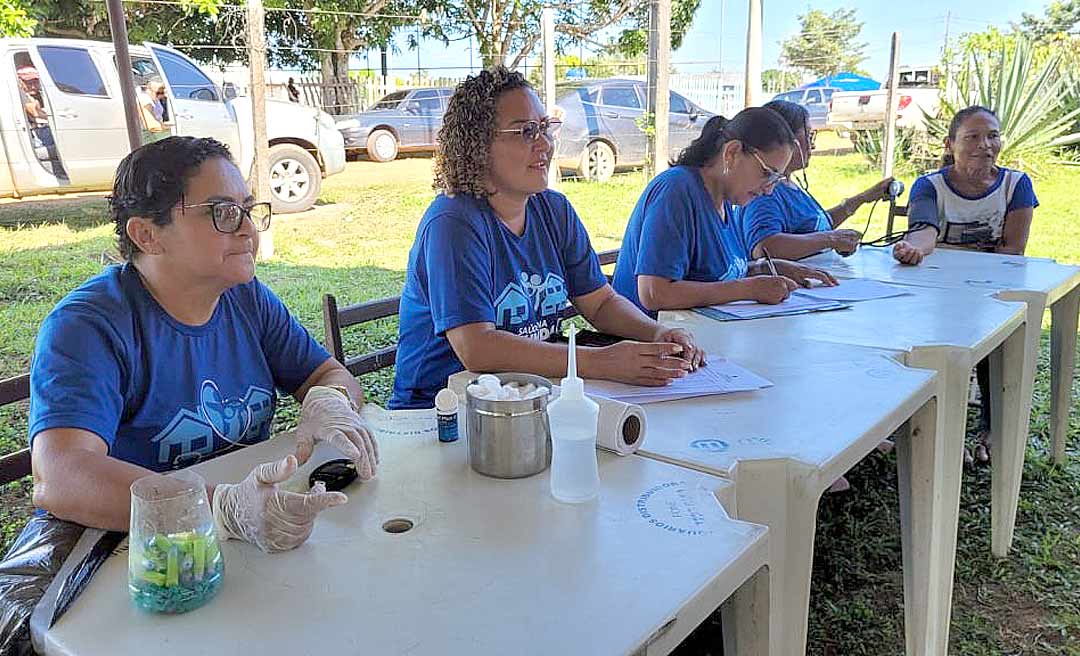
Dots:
{"x": 794, "y": 304}
{"x": 720, "y": 376}
{"x": 853, "y": 290}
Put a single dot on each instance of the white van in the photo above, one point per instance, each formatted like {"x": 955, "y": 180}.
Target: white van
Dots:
{"x": 63, "y": 129}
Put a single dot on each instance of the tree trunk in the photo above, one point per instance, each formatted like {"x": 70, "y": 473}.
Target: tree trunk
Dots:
{"x": 328, "y": 98}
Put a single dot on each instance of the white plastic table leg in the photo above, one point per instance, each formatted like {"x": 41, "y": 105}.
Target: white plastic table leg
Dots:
{"x": 1009, "y": 423}
{"x": 954, "y": 375}
{"x": 924, "y": 512}
{"x": 791, "y": 515}
{"x": 746, "y": 617}
{"x": 1062, "y": 362}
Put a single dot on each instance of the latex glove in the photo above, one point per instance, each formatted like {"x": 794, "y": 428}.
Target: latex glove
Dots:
{"x": 327, "y": 416}
{"x": 255, "y": 510}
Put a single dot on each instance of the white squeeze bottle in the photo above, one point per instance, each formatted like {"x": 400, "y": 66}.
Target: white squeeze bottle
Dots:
{"x": 574, "y": 475}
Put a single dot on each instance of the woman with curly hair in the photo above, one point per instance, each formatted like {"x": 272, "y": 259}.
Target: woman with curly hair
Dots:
{"x": 498, "y": 257}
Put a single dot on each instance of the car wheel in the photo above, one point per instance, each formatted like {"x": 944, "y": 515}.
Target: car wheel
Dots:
{"x": 295, "y": 179}
{"x": 597, "y": 162}
{"x": 382, "y": 146}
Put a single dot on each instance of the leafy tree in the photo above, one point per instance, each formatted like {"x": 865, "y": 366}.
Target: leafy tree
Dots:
{"x": 14, "y": 19}
{"x": 507, "y": 31}
{"x": 774, "y": 80}
{"x": 826, "y": 44}
{"x": 634, "y": 41}
{"x": 322, "y": 34}
{"x": 1061, "y": 16}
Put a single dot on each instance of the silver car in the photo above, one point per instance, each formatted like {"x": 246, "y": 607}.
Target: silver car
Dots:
{"x": 602, "y": 126}
{"x": 403, "y": 121}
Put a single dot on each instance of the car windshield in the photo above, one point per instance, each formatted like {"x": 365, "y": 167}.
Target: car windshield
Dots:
{"x": 589, "y": 94}
{"x": 390, "y": 101}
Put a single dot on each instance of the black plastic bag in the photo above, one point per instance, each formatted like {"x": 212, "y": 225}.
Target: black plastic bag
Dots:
{"x": 30, "y": 568}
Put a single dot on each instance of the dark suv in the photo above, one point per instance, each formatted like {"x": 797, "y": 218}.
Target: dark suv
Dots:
{"x": 402, "y": 121}
{"x": 602, "y": 126}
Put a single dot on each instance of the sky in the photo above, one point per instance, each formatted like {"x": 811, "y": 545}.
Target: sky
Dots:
{"x": 718, "y": 36}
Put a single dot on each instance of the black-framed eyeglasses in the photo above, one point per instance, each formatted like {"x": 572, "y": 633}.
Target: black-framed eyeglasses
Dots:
{"x": 229, "y": 216}
{"x": 530, "y": 131}
{"x": 772, "y": 176}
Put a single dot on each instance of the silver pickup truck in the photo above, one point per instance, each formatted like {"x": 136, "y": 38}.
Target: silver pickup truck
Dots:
{"x": 63, "y": 130}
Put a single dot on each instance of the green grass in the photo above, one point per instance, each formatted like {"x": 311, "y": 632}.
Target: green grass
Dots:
{"x": 356, "y": 247}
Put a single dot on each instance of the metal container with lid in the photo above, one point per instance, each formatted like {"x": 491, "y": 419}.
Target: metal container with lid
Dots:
{"x": 509, "y": 438}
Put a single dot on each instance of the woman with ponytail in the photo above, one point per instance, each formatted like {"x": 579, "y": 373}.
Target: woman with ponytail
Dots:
{"x": 682, "y": 248}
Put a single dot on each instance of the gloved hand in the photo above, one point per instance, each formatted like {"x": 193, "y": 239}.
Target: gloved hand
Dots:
{"x": 327, "y": 416}
{"x": 257, "y": 511}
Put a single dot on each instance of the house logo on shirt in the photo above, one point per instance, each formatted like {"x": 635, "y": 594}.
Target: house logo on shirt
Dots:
{"x": 736, "y": 270}
{"x": 215, "y": 422}
{"x": 530, "y": 306}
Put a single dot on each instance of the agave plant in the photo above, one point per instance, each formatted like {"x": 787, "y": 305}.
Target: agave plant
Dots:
{"x": 1030, "y": 101}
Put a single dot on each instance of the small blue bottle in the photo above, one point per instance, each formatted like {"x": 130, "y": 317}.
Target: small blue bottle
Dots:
{"x": 446, "y": 409}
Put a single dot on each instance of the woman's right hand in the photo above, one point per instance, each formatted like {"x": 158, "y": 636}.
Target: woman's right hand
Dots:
{"x": 256, "y": 510}
{"x": 652, "y": 364}
{"x": 845, "y": 241}
{"x": 905, "y": 253}
{"x": 770, "y": 289}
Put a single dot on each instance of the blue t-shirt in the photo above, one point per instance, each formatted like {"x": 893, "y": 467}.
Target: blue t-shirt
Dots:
{"x": 467, "y": 267}
{"x": 788, "y": 209}
{"x": 675, "y": 232}
{"x": 161, "y": 394}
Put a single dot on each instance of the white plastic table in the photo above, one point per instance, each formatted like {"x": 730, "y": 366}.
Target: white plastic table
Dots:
{"x": 490, "y": 567}
{"x": 784, "y": 446}
{"x": 1039, "y": 282}
{"x": 949, "y": 331}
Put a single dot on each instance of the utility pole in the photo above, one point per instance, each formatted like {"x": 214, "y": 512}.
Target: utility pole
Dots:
{"x": 260, "y": 171}
{"x": 418, "y": 76}
{"x": 118, "y": 27}
{"x": 752, "y": 83}
{"x": 946, "y": 55}
{"x": 658, "y": 82}
{"x": 548, "y": 20}
{"x": 892, "y": 101}
{"x": 720, "y": 50}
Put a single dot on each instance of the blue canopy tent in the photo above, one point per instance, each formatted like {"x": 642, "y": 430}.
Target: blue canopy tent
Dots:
{"x": 845, "y": 82}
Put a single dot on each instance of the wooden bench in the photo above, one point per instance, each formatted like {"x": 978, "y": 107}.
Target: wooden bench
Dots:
{"x": 16, "y": 465}
{"x": 335, "y": 318}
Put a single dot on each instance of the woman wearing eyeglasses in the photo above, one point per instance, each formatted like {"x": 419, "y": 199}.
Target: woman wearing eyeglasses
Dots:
{"x": 498, "y": 257}
{"x": 174, "y": 357}
{"x": 682, "y": 248}
{"x": 790, "y": 223}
